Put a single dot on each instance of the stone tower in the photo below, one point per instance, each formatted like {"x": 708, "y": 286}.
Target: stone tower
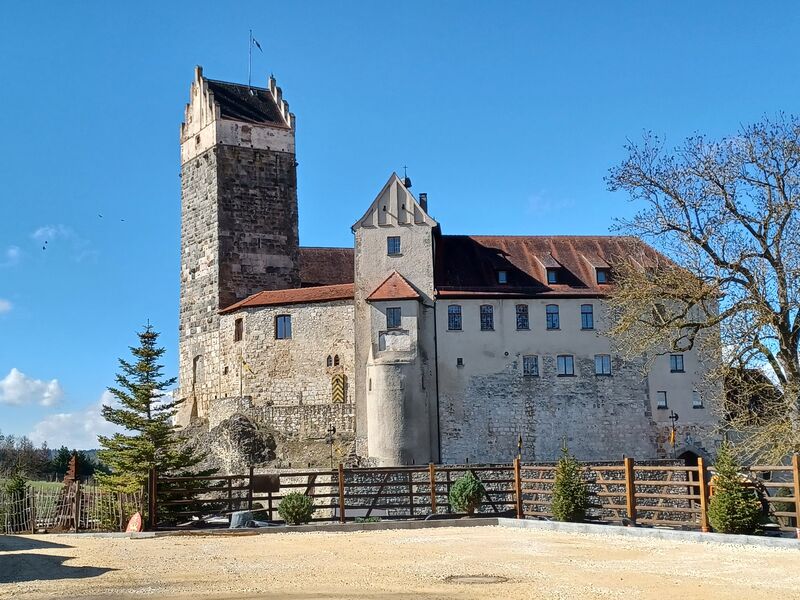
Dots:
{"x": 238, "y": 217}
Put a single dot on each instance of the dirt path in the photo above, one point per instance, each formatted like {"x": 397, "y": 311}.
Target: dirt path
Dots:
{"x": 394, "y": 565}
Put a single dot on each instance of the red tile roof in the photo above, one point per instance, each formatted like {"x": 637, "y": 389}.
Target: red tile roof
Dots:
{"x": 394, "y": 287}
{"x": 467, "y": 266}
{"x": 323, "y": 293}
{"x": 325, "y": 266}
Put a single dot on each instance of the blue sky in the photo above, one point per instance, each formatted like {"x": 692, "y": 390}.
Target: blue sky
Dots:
{"x": 507, "y": 114}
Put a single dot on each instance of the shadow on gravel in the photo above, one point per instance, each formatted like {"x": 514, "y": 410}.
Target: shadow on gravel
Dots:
{"x": 16, "y": 543}
{"x": 16, "y": 568}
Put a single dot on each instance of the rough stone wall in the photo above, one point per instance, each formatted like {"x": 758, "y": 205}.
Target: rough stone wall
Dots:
{"x": 293, "y": 371}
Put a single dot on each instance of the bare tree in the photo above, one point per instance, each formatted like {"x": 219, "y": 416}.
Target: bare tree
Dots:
{"x": 726, "y": 213}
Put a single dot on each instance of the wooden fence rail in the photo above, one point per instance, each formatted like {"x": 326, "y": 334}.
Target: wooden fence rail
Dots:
{"x": 631, "y": 493}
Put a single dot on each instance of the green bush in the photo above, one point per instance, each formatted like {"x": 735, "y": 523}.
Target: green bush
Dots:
{"x": 368, "y": 519}
{"x": 570, "y": 494}
{"x": 296, "y": 508}
{"x": 467, "y": 493}
{"x": 733, "y": 508}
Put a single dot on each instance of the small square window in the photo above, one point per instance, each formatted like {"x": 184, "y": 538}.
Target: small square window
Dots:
{"x": 530, "y": 366}
{"x": 676, "y": 363}
{"x": 502, "y": 277}
{"x": 487, "y": 317}
{"x": 552, "y": 275}
{"x": 393, "y": 318}
{"x": 393, "y": 245}
{"x": 522, "y": 317}
{"x": 459, "y": 362}
{"x": 661, "y": 400}
{"x": 566, "y": 365}
{"x": 238, "y": 330}
{"x": 602, "y": 364}
{"x": 603, "y": 276}
{"x": 454, "y": 317}
{"x": 283, "y": 327}
{"x": 697, "y": 400}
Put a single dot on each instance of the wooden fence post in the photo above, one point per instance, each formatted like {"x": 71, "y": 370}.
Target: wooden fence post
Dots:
{"x": 518, "y": 487}
{"x": 796, "y": 479}
{"x": 121, "y": 507}
{"x": 432, "y": 479}
{"x": 152, "y": 500}
{"x": 250, "y": 490}
{"x": 630, "y": 491}
{"x": 701, "y": 473}
{"x": 33, "y": 510}
{"x": 76, "y": 507}
{"x": 341, "y": 494}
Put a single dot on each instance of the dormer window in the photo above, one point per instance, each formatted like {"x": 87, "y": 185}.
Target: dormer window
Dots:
{"x": 552, "y": 275}
{"x": 603, "y": 276}
{"x": 502, "y": 277}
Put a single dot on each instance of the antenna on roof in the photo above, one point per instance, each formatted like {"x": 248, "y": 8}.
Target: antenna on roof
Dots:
{"x": 406, "y": 178}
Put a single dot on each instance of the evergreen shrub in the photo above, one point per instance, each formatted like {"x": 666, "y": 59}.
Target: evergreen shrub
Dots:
{"x": 296, "y": 508}
{"x": 467, "y": 493}
{"x": 733, "y": 508}
{"x": 570, "y": 494}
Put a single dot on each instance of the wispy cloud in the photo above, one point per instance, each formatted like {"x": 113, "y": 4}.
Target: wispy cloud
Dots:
{"x": 11, "y": 256}
{"x": 542, "y": 202}
{"x": 77, "y": 429}
{"x": 18, "y": 389}
{"x": 5, "y": 306}
{"x": 53, "y": 236}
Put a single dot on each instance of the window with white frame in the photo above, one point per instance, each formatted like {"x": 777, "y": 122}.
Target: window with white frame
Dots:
{"x": 454, "y": 317}
{"x": 697, "y": 400}
{"x": 393, "y": 316}
{"x": 530, "y": 365}
{"x": 602, "y": 364}
{"x": 587, "y": 316}
{"x": 487, "y": 317}
{"x": 551, "y": 312}
{"x": 393, "y": 245}
{"x": 661, "y": 400}
{"x": 283, "y": 327}
{"x": 676, "y": 363}
{"x": 522, "y": 317}
{"x": 565, "y": 364}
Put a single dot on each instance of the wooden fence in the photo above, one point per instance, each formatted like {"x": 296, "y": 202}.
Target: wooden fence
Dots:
{"x": 645, "y": 493}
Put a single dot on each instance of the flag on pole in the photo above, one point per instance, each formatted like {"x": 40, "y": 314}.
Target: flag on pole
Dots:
{"x": 255, "y": 41}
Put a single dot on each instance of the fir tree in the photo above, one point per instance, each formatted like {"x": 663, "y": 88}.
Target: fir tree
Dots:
{"x": 733, "y": 508}
{"x": 146, "y": 413}
{"x": 570, "y": 499}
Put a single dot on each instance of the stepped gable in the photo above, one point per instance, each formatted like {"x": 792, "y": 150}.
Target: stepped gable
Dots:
{"x": 467, "y": 265}
{"x": 322, "y": 293}
{"x": 325, "y": 266}
{"x": 394, "y": 287}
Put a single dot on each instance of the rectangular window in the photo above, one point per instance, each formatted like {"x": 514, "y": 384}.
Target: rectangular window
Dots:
{"x": 238, "y": 330}
{"x": 552, "y": 316}
{"x": 566, "y": 365}
{"x": 602, "y": 276}
{"x": 283, "y": 327}
{"x": 502, "y": 277}
{"x": 530, "y": 366}
{"x": 454, "y": 317}
{"x": 676, "y": 363}
{"x": 487, "y": 317}
{"x": 661, "y": 400}
{"x": 393, "y": 245}
{"x": 587, "y": 316}
{"x": 602, "y": 364}
{"x": 393, "y": 318}
{"x": 522, "y": 317}
{"x": 697, "y": 400}
{"x": 552, "y": 275}
{"x": 459, "y": 362}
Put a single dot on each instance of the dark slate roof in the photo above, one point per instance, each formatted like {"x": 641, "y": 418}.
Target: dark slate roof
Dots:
{"x": 467, "y": 266}
{"x": 246, "y": 104}
{"x": 326, "y": 266}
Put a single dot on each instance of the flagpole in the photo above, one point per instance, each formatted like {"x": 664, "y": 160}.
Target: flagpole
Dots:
{"x": 249, "y": 58}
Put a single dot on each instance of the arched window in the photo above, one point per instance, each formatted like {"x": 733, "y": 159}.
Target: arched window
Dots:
{"x": 336, "y": 360}
{"x": 329, "y": 361}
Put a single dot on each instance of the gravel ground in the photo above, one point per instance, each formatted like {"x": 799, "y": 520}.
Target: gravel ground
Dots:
{"x": 418, "y": 564}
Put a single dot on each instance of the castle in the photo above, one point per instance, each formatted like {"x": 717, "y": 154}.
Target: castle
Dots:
{"x": 416, "y": 345}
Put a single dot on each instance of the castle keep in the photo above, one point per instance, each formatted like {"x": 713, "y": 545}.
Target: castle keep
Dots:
{"x": 417, "y": 346}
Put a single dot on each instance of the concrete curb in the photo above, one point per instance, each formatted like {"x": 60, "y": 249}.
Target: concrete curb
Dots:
{"x": 674, "y": 535}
